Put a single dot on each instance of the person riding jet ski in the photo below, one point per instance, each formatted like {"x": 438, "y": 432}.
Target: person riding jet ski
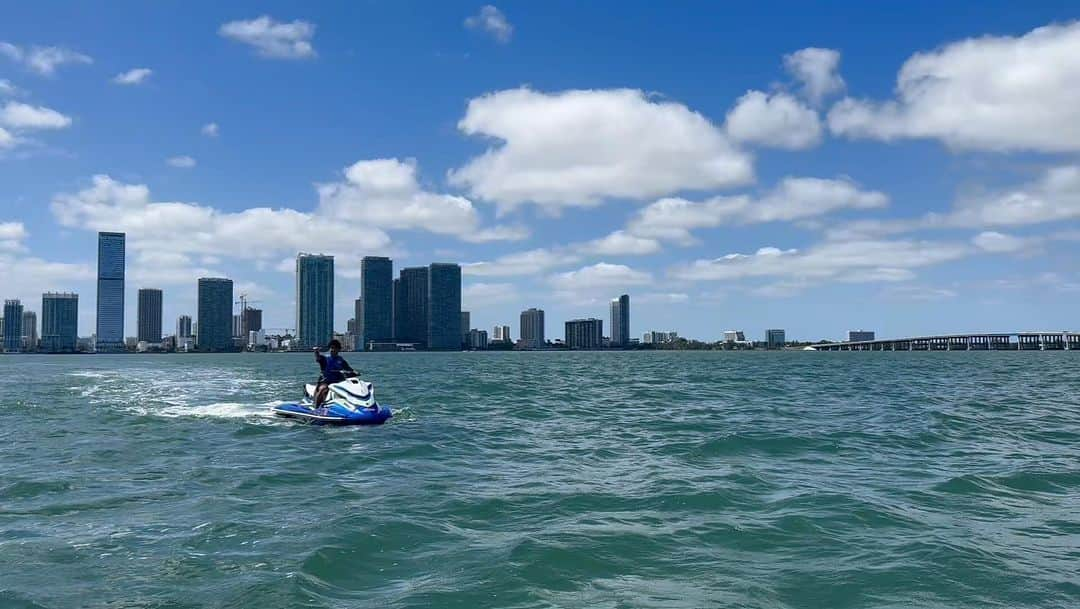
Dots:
{"x": 333, "y": 369}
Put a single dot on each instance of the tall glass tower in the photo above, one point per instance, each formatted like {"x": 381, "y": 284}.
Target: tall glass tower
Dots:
{"x": 620, "y": 321}
{"x": 444, "y": 307}
{"x": 314, "y": 299}
{"x": 377, "y": 290}
{"x": 59, "y": 322}
{"x": 110, "y": 292}
{"x": 150, "y": 315}
{"x": 412, "y": 305}
{"x": 215, "y": 314}
{"x": 13, "y": 317}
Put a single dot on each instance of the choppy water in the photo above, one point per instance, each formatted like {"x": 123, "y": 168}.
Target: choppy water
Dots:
{"x": 772, "y": 480}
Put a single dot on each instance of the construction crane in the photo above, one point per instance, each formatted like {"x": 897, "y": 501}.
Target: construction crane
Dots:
{"x": 244, "y": 302}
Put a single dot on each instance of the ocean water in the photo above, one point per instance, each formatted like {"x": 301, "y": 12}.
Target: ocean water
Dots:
{"x": 771, "y": 480}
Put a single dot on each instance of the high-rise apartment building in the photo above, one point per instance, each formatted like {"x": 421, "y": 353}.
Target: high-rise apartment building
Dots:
{"x": 183, "y": 327}
{"x": 501, "y": 334}
{"x": 59, "y": 322}
{"x": 411, "y": 306}
{"x": 215, "y": 314}
{"x": 775, "y": 339}
{"x": 252, "y": 320}
{"x": 584, "y": 333}
{"x": 29, "y": 331}
{"x": 444, "y": 307}
{"x": 856, "y": 336}
{"x": 149, "y": 315}
{"x": 13, "y": 318}
{"x": 466, "y": 325}
{"x": 620, "y": 321}
{"x": 314, "y": 299}
{"x": 110, "y": 292}
{"x": 532, "y": 328}
{"x": 377, "y": 290}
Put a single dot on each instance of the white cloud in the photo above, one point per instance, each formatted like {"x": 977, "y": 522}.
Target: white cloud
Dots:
{"x": 1053, "y": 197}
{"x": 996, "y": 242}
{"x": 792, "y": 199}
{"x": 839, "y": 261}
{"x": 578, "y": 147}
{"x": 273, "y": 39}
{"x": 818, "y": 71}
{"x": 777, "y": 120}
{"x": 480, "y": 295}
{"x": 181, "y": 162}
{"x": 43, "y": 60}
{"x": 210, "y": 130}
{"x": 7, "y": 140}
{"x": 27, "y": 277}
{"x": 531, "y": 262}
{"x": 492, "y": 21}
{"x": 133, "y": 77}
{"x": 598, "y": 276}
{"x": 386, "y": 193}
{"x": 919, "y": 293}
{"x": 620, "y": 243}
{"x": 661, "y": 298}
{"x": 17, "y": 115}
{"x": 12, "y": 235}
{"x": 171, "y": 232}
{"x": 6, "y": 88}
{"x": 991, "y": 93}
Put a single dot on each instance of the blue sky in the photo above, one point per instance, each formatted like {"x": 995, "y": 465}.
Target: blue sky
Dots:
{"x": 907, "y": 167}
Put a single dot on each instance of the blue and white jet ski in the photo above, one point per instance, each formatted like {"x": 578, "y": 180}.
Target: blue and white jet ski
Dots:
{"x": 350, "y": 402}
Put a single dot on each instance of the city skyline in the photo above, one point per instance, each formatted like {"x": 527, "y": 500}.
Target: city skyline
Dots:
{"x": 788, "y": 173}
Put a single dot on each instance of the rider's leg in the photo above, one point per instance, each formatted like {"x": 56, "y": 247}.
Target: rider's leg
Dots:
{"x": 320, "y": 394}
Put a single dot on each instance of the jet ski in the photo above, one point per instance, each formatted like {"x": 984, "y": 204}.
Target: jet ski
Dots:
{"x": 350, "y": 402}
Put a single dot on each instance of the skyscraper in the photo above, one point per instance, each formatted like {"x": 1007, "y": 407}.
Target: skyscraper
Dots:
{"x": 314, "y": 299}
{"x": 412, "y": 305}
{"x": 13, "y": 318}
{"x": 215, "y": 314}
{"x": 150, "y": 315}
{"x": 855, "y": 336}
{"x": 501, "y": 334}
{"x": 110, "y": 292}
{"x": 252, "y": 320}
{"x": 775, "y": 339}
{"x": 59, "y": 322}
{"x": 620, "y": 321}
{"x": 358, "y": 323}
{"x": 29, "y": 331}
{"x": 377, "y": 290}
{"x": 183, "y": 326}
{"x": 395, "y": 311}
{"x": 584, "y": 333}
{"x": 444, "y": 307}
{"x": 466, "y": 325}
{"x": 532, "y": 328}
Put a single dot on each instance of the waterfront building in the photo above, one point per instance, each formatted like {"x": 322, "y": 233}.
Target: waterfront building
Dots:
{"x": 532, "y": 328}
{"x": 620, "y": 321}
{"x": 477, "y": 340}
{"x": 657, "y": 338}
{"x": 395, "y": 307}
{"x": 466, "y": 325}
{"x": 775, "y": 339}
{"x": 59, "y": 322}
{"x": 215, "y": 314}
{"x": 183, "y": 327}
{"x": 314, "y": 299}
{"x": 149, "y": 315}
{"x": 858, "y": 336}
{"x": 237, "y": 325}
{"x": 501, "y": 334}
{"x": 358, "y": 324}
{"x": 29, "y": 331}
{"x": 350, "y": 327}
{"x": 13, "y": 318}
{"x": 377, "y": 290}
{"x": 584, "y": 333}
{"x": 412, "y": 303}
{"x": 252, "y": 320}
{"x": 444, "y": 307}
{"x": 110, "y": 292}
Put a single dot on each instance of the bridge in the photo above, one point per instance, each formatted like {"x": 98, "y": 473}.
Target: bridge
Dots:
{"x": 1001, "y": 341}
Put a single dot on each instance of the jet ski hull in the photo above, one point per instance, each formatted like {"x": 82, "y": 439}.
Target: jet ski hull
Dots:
{"x": 334, "y": 414}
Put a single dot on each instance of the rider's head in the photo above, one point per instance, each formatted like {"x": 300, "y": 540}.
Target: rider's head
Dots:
{"x": 335, "y": 346}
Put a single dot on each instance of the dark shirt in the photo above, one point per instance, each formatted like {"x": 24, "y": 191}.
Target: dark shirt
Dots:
{"x": 333, "y": 368}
